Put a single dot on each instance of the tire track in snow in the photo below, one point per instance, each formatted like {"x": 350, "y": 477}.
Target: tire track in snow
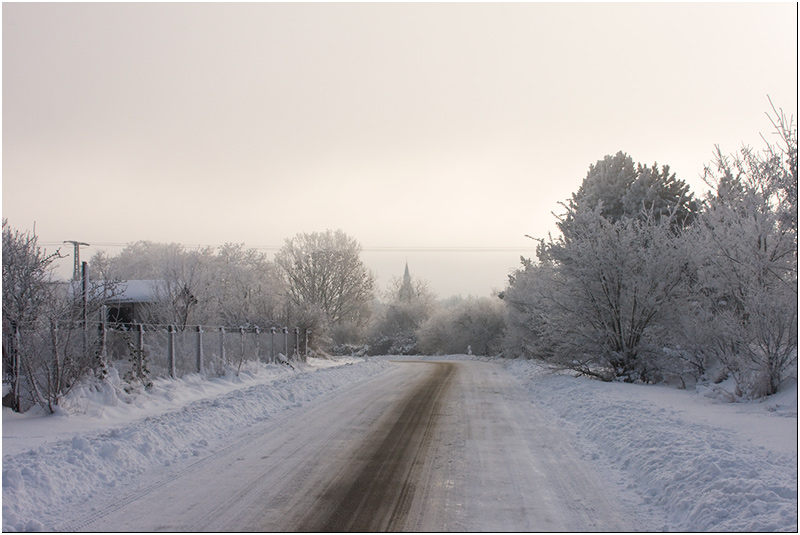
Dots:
{"x": 377, "y": 496}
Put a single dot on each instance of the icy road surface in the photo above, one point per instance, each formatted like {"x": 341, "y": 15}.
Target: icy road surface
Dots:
{"x": 424, "y": 446}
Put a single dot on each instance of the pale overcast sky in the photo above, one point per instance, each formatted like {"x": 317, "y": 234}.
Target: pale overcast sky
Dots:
{"x": 409, "y": 126}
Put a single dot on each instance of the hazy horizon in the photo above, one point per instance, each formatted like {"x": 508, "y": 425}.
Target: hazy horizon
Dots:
{"x": 409, "y": 126}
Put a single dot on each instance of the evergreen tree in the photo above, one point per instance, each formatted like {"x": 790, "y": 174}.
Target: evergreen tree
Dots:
{"x": 623, "y": 189}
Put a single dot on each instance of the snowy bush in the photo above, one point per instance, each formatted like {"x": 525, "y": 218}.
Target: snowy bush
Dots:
{"x": 407, "y": 304}
{"x": 475, "y": 323}
{"x": 606, "y": 297}
{"x": 748, "y": 272}
{"x": 645, "y": 285}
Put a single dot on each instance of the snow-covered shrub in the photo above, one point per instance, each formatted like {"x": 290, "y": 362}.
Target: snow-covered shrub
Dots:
{"x": 528, "y": 311}
{"x": 407, "y": 304}
{"x": 476, "y": 324}
{"x": 748, "y": 273}
{"x": 610, "y": 298}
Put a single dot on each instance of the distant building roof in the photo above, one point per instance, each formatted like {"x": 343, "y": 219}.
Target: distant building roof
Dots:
{"x": 138, "y": 291}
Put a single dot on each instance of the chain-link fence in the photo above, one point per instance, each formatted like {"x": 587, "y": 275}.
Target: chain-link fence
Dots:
{"x": 39, "y": 365}
{"x": 140, "y": 351}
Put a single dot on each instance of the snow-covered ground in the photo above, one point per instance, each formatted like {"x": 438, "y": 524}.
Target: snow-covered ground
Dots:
{"x": 707, "y": 464}
{"x": 105, "y": 437}
{"x": 694, "y": 462}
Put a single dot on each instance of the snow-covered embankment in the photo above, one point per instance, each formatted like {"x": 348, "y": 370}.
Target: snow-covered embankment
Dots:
{"x": 105, "y": 436}
{"x": 705, "y": 464}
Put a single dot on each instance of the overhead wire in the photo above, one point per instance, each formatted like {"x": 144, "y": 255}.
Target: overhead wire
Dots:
{"x": 365, "y": 249}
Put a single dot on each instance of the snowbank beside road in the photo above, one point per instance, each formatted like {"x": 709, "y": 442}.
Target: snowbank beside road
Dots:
{"x": 105, "y": 436}
{"x": 709, "y": 465}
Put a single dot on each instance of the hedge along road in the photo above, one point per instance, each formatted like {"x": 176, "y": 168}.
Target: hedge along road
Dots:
{"x": 426, "y": 446}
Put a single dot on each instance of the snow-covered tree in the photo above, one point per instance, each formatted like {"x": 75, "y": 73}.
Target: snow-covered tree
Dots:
{"x": 614, "y": 293}
{"x": 621, "y": 189}
{"x": 49, "y": 329}
{"x": 27, "y": 291}
{"x": 529, "y": 310}
{"x": 601, "y": 297}
{"x": 749, "y": 268}
{"x": 406, "y": 304}
{"x": 243, "y": 288}
{"x": 325, "y": 270}
{"x": 231, "y": 286}
{"x": 141, "y": 260}
{"x": 474, "y": 324}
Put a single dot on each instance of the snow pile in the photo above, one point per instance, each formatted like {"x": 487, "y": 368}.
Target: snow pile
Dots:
{"x": 708, "y": 465}
{"x": 105, "y": 436}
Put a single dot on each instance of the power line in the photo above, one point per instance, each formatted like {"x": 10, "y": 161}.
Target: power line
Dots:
{"x": 366, "y": 249}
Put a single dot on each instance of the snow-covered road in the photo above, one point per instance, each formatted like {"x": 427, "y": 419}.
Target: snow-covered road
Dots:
{"x": 426, "y": 446}
{"x": 449, "y": 444}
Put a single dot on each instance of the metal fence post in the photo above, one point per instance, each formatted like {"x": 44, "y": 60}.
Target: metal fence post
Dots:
{"x": 17, "y": 364}
{"x": 272, "y": 349}
{"x": 222, "y": 345}
{"x": 286, "y": 342}
{"x": 296, "y": 342}
{"x": 200, "y": 367}
{"x": 139, "y": 350}
{"x": 258, "y": 343}
{"x": 241, "y": 343}
{"x": 104, "y": 335}
{"x": 171, "y": 351}
{"x": 54, "y": 347}
{"x": 308, "y": 332}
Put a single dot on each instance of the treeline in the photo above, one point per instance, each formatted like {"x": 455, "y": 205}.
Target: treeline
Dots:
{"x": 316, "y": 283}
{"x": 647, "y": 283}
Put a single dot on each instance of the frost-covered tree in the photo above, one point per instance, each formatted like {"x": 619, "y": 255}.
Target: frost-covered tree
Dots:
{"x": 529, "y": 310}
{"x": 324, "y": 270}
{"x": 622, "y": 189}
{"x": 27, "y": 291}
{"x": 406, "y": 304}
{"x": 141, "y": 260}
{"x": 474, "y": 324}
{"x": 231, "y": 286}
{"x": 49, "y": 329}
{"x": 243, "y": 288}
{"x": 603, "y": 293}
{"x": 749, "y": 264}
{"x": 615, "y": 288}
{"x": 27, "y": 277}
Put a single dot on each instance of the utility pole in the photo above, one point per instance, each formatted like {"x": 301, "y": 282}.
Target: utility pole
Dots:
{"x": 76, "y": 272}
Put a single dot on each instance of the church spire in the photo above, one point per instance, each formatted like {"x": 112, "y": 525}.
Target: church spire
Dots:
{"x": 406, "y": 292}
